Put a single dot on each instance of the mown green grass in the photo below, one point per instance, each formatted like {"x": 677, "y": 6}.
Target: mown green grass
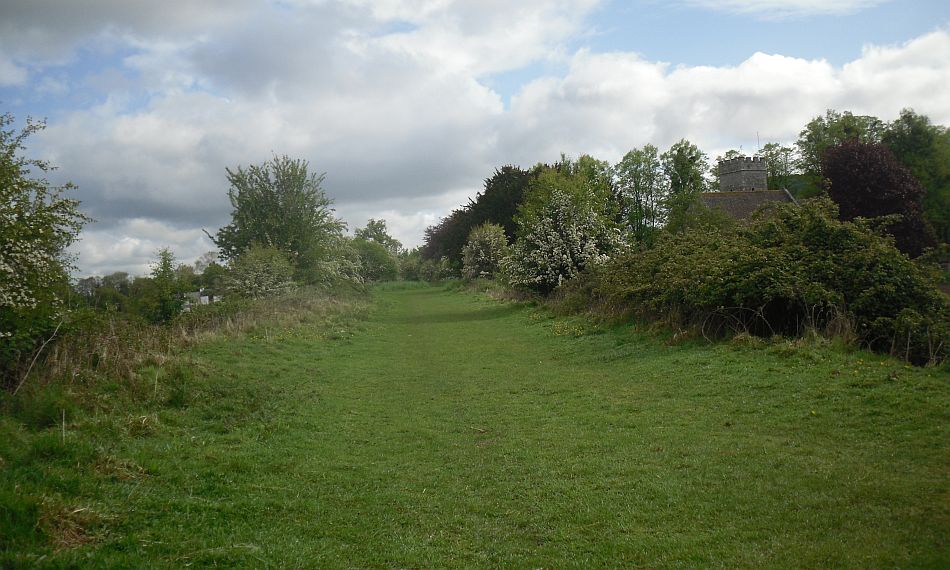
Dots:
{"x": 450, "y": 430}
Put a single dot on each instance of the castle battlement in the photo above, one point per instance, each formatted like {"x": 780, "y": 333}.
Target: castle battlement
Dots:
{"x": 743, "y": 173}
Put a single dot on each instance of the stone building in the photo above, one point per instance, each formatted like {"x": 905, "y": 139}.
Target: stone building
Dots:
{"x": 743, "y": 188}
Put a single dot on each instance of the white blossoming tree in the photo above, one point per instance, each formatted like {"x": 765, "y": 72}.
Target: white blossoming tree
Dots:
{"x": 37, "y": 224}
{"x": 484, "y": 251}
{"x": 564, "y": 226}
{"x": 261, "y": 271}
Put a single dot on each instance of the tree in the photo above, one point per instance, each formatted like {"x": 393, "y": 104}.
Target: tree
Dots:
{"x": 497, "y": 204}
{"x": 685, "y": 168}
{"x": 867, "y": 181}
{"x": 779, "y": 162}
{"x": 482, "y": 255}
{"x": 641, "y": 186}
{"x": 280, "y": 204}
{"x": 37, "y": 225}
{"x": 162, "y": 301}
{"x": 925, "y": 149}
{"x": 565, "y": 226}
{"x": 824, "y": 132}
{"x": 376, "y": 231}
{"x": 377, "y": 262}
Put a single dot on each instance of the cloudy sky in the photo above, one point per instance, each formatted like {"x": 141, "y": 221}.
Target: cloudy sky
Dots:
{"x": 408, "y": 105}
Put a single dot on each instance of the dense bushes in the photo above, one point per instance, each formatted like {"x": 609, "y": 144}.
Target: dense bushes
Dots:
{"x": 797, "y": 268}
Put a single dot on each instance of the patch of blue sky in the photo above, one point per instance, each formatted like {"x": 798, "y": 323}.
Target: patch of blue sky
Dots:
{"x": 676, "y": 33}
{"x": 87, "y": 79}
{"x": 394, "y": 27}
{"x": 509, "y": 83}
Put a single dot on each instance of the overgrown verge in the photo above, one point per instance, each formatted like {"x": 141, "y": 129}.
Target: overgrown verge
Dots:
{"x": 115, "y": 378}
{"x": 99, "y": 346}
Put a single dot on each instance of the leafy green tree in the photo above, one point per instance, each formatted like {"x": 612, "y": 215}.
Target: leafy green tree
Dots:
{"x": 186, "y": 277}
{"x": 867, "y": 181}
{"x": 798, "y": 268}
{"x": 685, "y": 168}
{"x": 37, "y": 225}
{"x": 376, "y": 231}
{"x": 261, "y": 271}
{"x": 118, "y": 281}
{"x": 280, "y": 204}
{"x": 641, "y": 185}
{"x": 824, "y": 132}
{"x": 163, "y": 301}
{"x": 482, "y": 256}
{"x": 924, "y": 148}
{"x": 780, "y": 163}
{"x": 377, "y": 262}
{"x": 213, "y": 278}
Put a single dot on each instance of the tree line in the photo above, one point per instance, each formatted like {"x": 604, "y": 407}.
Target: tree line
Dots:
{"x": 634, "y": 235}
{"x": 283, "y": 234}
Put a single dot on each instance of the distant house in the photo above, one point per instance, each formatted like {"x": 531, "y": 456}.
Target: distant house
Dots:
{"x": 743, "y": 184}
{"x": 199, "y": 297}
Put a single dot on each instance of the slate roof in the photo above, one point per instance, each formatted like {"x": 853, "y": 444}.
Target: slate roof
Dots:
{"x": 740, "y": 205}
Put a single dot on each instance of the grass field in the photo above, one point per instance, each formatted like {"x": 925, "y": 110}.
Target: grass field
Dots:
{"x": 444, "y": 429}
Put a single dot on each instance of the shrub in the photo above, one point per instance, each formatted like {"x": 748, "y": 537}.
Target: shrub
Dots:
{"x": 796, "y": 268}
{"x": 482, "y": 255}
{"x": 560, "y": 235}
{"x": 377, "y": 262}
{"x": 37, "y": 225}
{"x": 261, "y": 271}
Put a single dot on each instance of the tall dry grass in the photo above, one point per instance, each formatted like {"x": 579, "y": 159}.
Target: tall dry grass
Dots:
{"x": 115, "y": 347}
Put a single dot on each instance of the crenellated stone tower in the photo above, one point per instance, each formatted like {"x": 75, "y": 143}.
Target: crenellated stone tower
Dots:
{"x": 743, "y": 174}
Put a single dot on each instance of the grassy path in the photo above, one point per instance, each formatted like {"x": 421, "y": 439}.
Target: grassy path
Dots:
{"x": 451, "y": 431}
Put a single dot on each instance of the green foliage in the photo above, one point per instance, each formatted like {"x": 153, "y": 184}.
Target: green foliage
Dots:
{"x": 261, "y": 271}
{"x": 497, "y": 204}
{"x": 780, "y": 164}
{"x": 377, "y": 262}
{"x": 685, "y": 169}
{"x": 376, "y": 231}
{"x": 925, "y": 149}
{"x": 37, "y": 224}
{"x": 482, "y": 255}
{"x": 824, "y": 132}
{"x": 795, "y": 269}
{"x": 212, "y": 278}
{"x": 834, "y": 128}
{"x": 280, "y": 204}
{"x": 163, "y": 301}
{"x": 641, "y": 185}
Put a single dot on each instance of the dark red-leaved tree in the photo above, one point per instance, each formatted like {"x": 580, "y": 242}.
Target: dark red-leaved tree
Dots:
{"x": 866, "y": 180}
